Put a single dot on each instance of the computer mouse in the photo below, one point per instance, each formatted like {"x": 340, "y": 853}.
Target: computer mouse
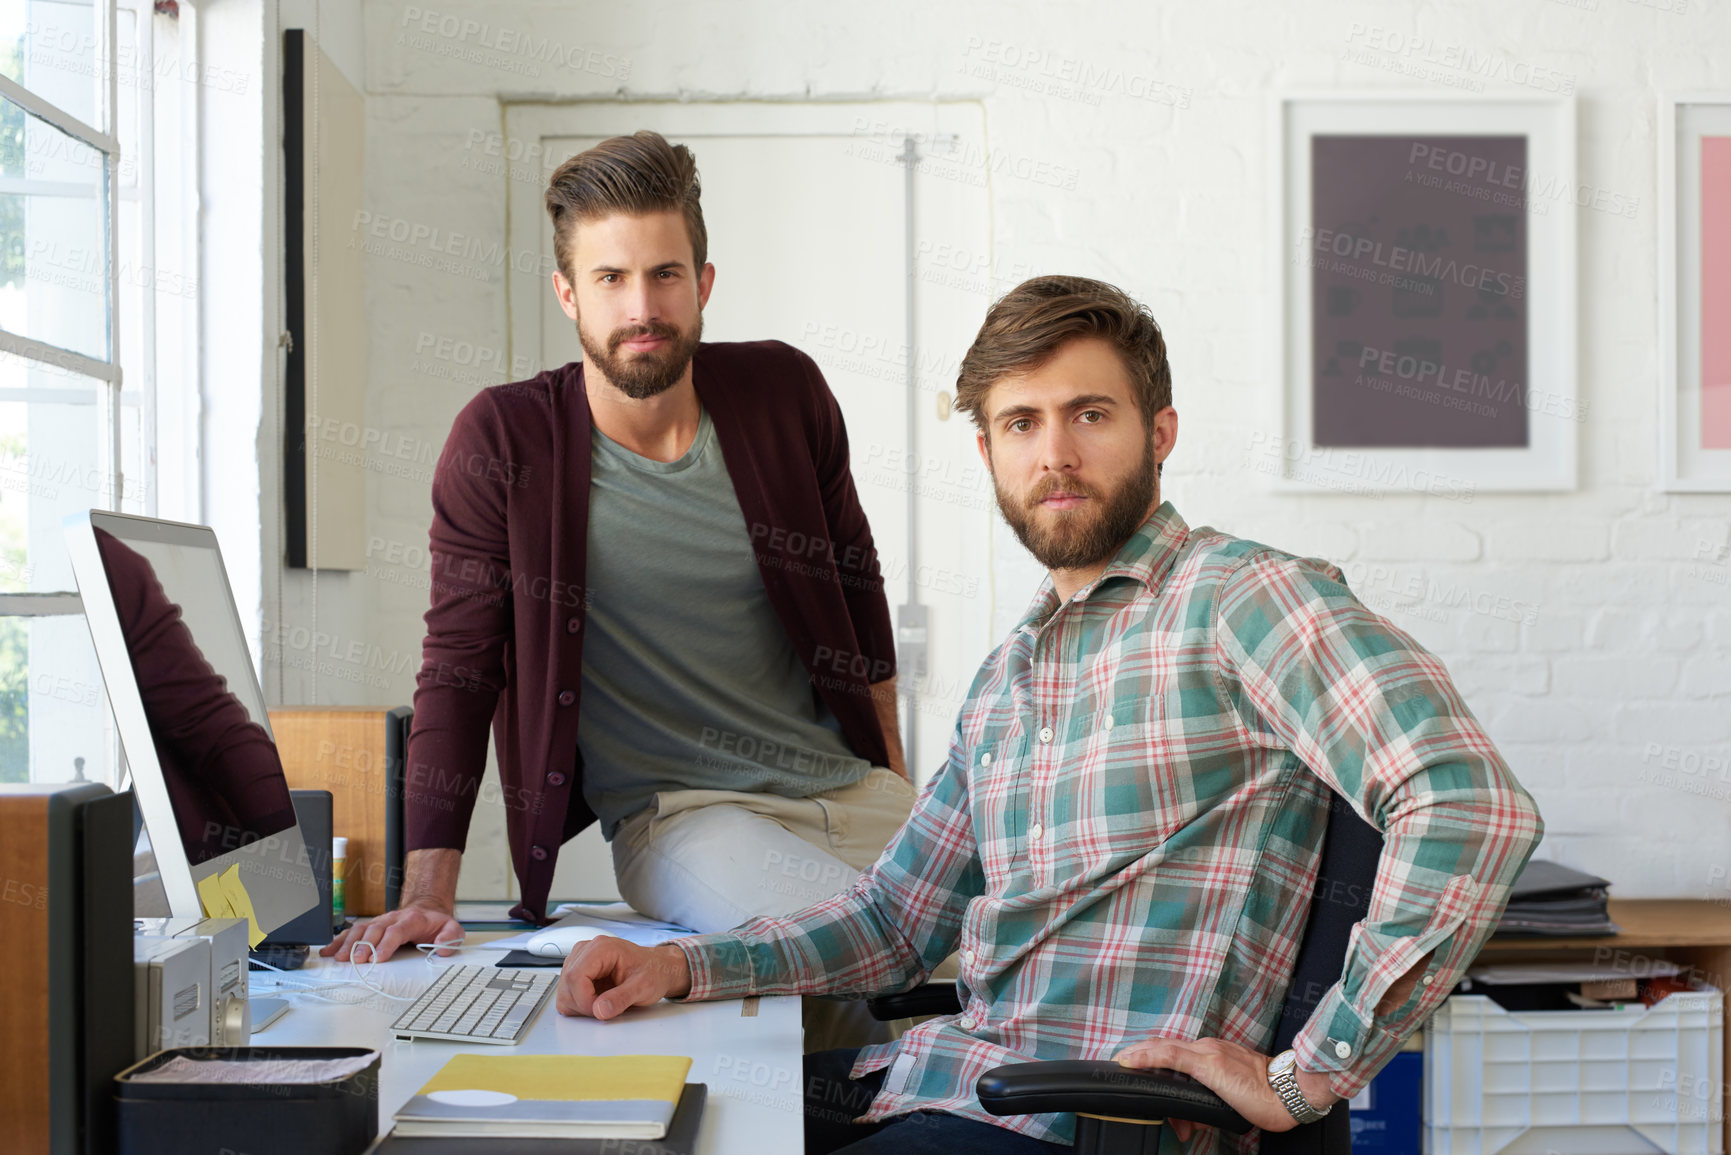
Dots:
{"x": 561, "y": 940}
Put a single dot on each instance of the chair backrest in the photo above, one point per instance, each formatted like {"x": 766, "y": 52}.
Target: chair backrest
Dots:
{"x": 1350, "y": 850}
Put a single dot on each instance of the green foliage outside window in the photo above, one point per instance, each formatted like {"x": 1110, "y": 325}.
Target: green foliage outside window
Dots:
{"x": 14, "y": 643}
{"x": 14, "y": 700}
{"x": 11, "y": 164}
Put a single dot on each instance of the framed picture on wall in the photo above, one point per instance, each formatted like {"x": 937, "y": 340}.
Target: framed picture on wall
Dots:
{"x": 1426, "y": 292}
{"x": 1695, "y": 293}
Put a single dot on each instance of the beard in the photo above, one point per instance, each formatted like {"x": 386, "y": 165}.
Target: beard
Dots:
{"x": 643, "y": 375}
{"x": 1073, "y": 539}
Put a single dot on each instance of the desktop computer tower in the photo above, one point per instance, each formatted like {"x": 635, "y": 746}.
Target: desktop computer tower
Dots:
{"x": 66, "y": 1005}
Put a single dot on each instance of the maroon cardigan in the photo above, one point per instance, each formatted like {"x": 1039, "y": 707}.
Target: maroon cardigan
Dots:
{"x": 505, "y": 632}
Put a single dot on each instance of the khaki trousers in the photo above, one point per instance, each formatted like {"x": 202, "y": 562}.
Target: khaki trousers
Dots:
{"x": 712, "y": 859}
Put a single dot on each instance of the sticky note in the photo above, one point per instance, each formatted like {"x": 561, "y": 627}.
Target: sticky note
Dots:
{"x": 240, "y": 903}
{"x": 213, "y": 898}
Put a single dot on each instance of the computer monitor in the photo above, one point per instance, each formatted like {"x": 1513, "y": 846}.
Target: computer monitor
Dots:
{"x": 191, "y": 717}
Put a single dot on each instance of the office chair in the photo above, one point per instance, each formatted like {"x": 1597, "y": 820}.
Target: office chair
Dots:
{"x": 1121, "y": 1111}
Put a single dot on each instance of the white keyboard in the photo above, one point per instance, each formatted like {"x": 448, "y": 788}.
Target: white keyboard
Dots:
{"x": 477, "y": 1005}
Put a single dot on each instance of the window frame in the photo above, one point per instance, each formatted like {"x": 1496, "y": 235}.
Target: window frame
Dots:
{"x": 104, "y": 139}
{"x": 115, "y": 490}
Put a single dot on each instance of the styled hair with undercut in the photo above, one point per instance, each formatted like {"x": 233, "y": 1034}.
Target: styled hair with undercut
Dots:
{"x": 635, "y": 174}
{"x": 1028, "y": 324}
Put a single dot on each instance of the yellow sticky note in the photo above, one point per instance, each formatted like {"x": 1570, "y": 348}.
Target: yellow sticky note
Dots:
{"x": 240, "y": 903}
{"x": 213, "y": 898}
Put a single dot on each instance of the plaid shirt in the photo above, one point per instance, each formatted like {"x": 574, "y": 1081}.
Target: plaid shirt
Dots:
{"x": 1125, "y": 838}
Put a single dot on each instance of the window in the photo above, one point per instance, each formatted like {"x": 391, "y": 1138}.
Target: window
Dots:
{"x": 96, "y": 304}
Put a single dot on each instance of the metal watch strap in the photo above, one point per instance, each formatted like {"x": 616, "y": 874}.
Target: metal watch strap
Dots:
{"x": 1285, "y": 1084}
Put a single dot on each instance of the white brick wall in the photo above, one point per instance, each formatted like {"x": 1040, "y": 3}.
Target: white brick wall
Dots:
{"x": 1586, "y": 628}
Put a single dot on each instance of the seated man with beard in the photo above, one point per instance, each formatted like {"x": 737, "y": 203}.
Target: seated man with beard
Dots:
{"x": 1125, "y": 839}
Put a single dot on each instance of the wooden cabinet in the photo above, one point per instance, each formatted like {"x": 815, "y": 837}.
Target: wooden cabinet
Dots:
{"x": 342, "y": 749}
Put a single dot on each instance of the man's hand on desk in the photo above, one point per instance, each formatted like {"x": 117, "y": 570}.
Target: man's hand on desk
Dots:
{"x": 422, "y": 921}
{"x": 425, "y": 914}
{"x": 605, "y": 977}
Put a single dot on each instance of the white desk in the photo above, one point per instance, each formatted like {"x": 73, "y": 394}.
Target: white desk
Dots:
{"x": 750, "y": 1062}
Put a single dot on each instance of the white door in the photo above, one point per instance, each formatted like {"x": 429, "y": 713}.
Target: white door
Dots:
{"x": 805, "y": 207}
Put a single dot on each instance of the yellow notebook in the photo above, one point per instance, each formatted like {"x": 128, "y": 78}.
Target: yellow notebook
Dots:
{"x": 548, "y": 1097}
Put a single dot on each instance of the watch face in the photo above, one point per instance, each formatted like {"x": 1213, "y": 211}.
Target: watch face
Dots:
{"x": 1282, "y": 1063}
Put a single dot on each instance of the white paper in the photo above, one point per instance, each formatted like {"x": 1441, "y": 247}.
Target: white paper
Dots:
{"x": 515, "y": 942}
{"x": 1504, "y": 974}
{"x": 601, "y": 913}
{"x": 260, "y": 1072}
{"x": 615, "y": 919}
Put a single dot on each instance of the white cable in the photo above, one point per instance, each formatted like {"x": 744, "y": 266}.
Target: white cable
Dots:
{"x": 314, "y": 989}
{"x": 282, "y": 984}
{"x": 456, "y": 944}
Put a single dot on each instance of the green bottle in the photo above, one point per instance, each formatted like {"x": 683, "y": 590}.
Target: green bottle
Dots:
{"x": 339, "y": 853}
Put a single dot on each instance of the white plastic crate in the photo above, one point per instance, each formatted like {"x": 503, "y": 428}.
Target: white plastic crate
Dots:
{"x": 1589, "y": 1082}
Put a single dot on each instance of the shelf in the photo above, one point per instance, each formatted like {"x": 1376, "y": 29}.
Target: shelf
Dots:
{"x": 1646, "y": 922}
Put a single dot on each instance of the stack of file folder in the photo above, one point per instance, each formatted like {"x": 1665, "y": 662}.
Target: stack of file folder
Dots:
{"x": 1551, "y": 899}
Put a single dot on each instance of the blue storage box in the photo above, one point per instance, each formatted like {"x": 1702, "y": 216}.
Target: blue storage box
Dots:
{"x": 1389, "y": 1122}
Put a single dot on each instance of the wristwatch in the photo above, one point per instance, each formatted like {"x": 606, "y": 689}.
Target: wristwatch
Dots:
{"x": 1283, "y": 1077}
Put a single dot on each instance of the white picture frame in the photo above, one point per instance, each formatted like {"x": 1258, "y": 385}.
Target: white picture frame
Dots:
{"x": 1685, "y": 466}
{"x": 1294, "y": 459}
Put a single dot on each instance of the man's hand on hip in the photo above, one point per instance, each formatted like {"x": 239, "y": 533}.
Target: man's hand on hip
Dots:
{"x": 1235, "y": 1073}
{"x": 605, "y": 977}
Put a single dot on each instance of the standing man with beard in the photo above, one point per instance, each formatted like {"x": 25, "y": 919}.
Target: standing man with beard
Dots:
{"x": 1125, "y": 840}
{"x": 667, "y": 535}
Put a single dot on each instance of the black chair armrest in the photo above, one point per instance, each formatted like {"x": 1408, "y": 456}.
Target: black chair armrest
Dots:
{"x": 928, "y": 999}
{"x": 1102, "y": 1087}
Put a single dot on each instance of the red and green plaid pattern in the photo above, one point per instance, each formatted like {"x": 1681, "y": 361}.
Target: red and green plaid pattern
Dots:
{"x": 1124, "y": 840}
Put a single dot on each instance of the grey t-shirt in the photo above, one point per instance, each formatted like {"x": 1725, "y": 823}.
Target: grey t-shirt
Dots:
{"x": 689, "y": 681}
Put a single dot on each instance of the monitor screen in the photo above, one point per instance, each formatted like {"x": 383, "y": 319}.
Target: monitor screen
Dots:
{"x": 191, "y": 717}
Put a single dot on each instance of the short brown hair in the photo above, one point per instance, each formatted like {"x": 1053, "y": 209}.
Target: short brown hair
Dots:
{"x": 635, "y": 174}
{"x": 1028, "y": 324}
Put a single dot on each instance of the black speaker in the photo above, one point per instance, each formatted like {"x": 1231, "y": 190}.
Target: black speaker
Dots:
{"x": 397, "y": 725}
{"x": 313, "y": 812}
{"x": 67, "y": 1001}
